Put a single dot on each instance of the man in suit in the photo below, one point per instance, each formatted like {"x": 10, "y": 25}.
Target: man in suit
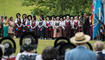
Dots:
{"x": 99, "y": 46}
{"x": 80, "y": 52}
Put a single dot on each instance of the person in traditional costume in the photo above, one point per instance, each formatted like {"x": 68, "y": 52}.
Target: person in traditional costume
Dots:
{"x": 11, "y": 27}
{"x": 18, "y": 25}
{"x": 28, "y": 44}
{"x": 34, "y": 25}
{"x": 76, "y": 24}
{"x": 0, "y": 26}
{"x": 57, "y": 29}
{"x": 68, "y": 27}
{"x": 5, "y": 27}
{"x": 28, "y": 23}
{"x": 86, "y": 25}
{"x": 48, "y": 26}
{"x": 62, "y": 24}
{"x": 1, "y": 51}
{"x": 24, "y": 19}
{"x": 9, "y": 48}
{"x": 72, "y": 26}
{"x": 41, "y": 28}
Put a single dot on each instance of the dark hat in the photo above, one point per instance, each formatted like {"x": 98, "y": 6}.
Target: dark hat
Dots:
{"x": 9, "y": 45}
{"x": 62, "y": 44}
{"x": 28, "y": 42}
{"x": 29, "y": 16}
{"x": 18, "y": 14}
{"x": 24, "y": 15}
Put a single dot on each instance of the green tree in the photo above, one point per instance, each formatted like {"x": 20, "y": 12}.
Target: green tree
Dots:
{"x": 60, "y": 7}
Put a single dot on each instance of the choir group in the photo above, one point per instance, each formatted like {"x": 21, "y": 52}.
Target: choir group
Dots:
{"x": 45, "y": 27}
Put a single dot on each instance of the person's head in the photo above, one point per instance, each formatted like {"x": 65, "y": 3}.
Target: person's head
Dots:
{"x": 18, "y": 15}
{"x": 61, "y": 19}
{"x": 80, "y": 38}
{"x": 52, "y": 18}
{"x": 5, "y": 17}
{"x": 29, "y": 17}
{"x": 72, "y": 18}
{"x": 24, "y": 16}
{"x": 76, "y": 18}
{"x": 64, "y": 18}
{"x": 84, "y": 14}
{"x": 68, "y": 17}
{"x": 98, "y": 46}
{"x": 57, "y": 18}
{"x": 49, "y": 53}
{"x": 34, "y": 18}
{"x": 11, "y": 18}
{"x": 47, "y": 18}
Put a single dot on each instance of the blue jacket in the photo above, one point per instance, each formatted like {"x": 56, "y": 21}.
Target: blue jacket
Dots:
{"x": 100, "y": 56}
{"x": 80, "y": 53}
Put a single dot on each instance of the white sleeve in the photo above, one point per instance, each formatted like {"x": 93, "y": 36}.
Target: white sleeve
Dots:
{"x": 15, "y": 20}
{"x": 18, "y": 55}
{"x": 39, "y": 57}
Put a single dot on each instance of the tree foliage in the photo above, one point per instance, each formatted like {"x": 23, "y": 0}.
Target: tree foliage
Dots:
{"x": 59, "y": 7}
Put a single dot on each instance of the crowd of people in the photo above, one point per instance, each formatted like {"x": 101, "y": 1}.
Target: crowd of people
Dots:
{"x": 80, "y": 52}
{"x": 45, "y": 27}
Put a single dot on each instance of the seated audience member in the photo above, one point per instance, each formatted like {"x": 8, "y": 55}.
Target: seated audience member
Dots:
{"x": 29, "y": 50}
{"x": 99, "y": 46}
{"x": 9, "y": 50}
{"x": 1, "y": 51}
{"x": 49, "y": 53}
{"x": 80, "y": 52}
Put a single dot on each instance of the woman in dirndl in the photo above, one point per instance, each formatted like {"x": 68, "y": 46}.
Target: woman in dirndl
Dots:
{"x": 41, "y": 28}
{"x": 48, "y": 29}
{"x": 76, "y": 24}
{"x": 24, "y": 26}
{"x": 18, "y": 25}
{"x": 62, "y": 25}
{"x": 68, "y": 27}
{"x": 57, "y": 29}
{"x": 11, "y": 30}
{"x": 28, "y": 24}
{"x": 34, "y": 26}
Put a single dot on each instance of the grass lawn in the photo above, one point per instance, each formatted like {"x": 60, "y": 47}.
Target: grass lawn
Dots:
{"x": 11, "y": 7}
{"x": 41, "y": 45}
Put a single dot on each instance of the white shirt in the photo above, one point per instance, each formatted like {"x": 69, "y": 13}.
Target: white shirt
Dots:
{"x": 24, "y": 53}
{"x": 39, "y": 57}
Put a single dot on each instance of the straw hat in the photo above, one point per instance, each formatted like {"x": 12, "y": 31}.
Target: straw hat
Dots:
{"x": 80, "y": 37}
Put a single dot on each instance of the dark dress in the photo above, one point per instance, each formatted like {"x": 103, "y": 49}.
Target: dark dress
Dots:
{"x": 68, "y": 29}
{"x": 86, "y": 26}
{"x": 41, "y": 30}
{"x": 18, "y": 27}
{"x": 48, "y": 30}
{"x": 34, "y": 28}
{"x": 24, "y": 27}
{"x": 28, "y": 23}
{"x": 76, "y": 26}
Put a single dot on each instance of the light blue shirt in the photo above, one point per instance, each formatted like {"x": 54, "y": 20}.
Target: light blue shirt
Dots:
{"x": 80, "y": 53}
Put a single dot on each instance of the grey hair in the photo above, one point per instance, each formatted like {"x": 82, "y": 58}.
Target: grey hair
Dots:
{"x": 99, "y": 46}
